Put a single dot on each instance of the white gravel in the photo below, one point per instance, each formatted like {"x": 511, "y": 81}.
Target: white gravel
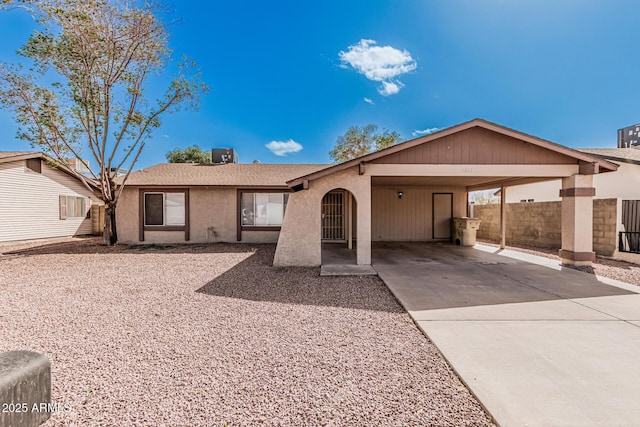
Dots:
{"x": 212, "y": 335}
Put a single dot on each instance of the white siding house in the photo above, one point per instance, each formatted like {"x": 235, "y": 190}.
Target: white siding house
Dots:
{"x": 39, "y": 201}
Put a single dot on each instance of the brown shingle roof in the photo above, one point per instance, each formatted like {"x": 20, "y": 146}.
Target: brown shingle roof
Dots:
{"x": 7, "y": 156}
{"x": 629, "y": 155}
{"x": 231, "y": 175}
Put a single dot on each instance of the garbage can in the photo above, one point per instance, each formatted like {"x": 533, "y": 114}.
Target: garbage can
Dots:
{"x": 467, "y": 230}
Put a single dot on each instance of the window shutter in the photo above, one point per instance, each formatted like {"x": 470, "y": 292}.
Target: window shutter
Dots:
{"x": 63, "y": 207}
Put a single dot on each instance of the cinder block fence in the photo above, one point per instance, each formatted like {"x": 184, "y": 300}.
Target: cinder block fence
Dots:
{"x": 539, "y": 224}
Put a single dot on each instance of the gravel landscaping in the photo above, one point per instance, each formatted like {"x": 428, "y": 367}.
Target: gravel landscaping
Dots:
{"x": 212, "y": 335}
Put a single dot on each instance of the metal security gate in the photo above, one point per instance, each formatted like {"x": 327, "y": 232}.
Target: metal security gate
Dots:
{"x": 333, "y": 214}
{"x": 629, "y": 239}
{"x": 631, "y": 215}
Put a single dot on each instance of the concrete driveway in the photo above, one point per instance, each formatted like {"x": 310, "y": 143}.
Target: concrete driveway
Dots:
{"x": 538, "y": 344}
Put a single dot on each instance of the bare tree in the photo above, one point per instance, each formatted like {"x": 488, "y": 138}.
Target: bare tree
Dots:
{"x": 81, "y": 90}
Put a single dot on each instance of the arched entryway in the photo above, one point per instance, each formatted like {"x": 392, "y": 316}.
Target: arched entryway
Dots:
{"x": 338, "y": 227}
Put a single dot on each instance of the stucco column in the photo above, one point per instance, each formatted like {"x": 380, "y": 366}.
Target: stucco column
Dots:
{"x": 503, "y": 217}
{"x": 363, "y": 250}
{"x": 577, "y": 220}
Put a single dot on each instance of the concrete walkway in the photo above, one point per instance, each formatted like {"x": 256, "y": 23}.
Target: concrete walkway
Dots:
{"x": 538, "y": 344}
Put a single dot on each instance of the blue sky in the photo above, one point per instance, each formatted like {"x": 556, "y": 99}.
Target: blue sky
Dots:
{"x": 567, "y": 71}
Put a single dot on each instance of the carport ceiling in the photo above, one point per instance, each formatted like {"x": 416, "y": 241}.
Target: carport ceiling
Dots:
{"x": 471, "y": 183}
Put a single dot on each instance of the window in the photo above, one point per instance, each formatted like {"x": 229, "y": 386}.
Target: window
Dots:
{"x": 164, "y": 209}
{"x": 263, "y": 209}
{"x": 34, "y": 165}
{"x": 74, "y": 207}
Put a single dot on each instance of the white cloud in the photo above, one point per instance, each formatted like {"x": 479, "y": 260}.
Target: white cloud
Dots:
{"x": 369, "y": 101}
{"x": 164, "y": 135}
{"x": 379, "y": 64}
{"x": 426, "y": 131}
{"x": 282, "y": 148}
{"x": 390, "y": 88}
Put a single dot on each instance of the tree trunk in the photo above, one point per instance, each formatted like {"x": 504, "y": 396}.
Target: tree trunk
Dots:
{"x": 109, "y": 232}
{"x": 114, "y": 230}
{"x": 106, "y": 231}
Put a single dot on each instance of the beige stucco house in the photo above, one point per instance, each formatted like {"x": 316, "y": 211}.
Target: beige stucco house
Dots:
{"x": 40, "y": 201}
{"x": 408, "y": 192}
{"x": 200, "y": 203}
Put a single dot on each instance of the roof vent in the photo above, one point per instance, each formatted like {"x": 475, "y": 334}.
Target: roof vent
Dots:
{"x": 223, "y": 155}
{"x": 256, "y": 162}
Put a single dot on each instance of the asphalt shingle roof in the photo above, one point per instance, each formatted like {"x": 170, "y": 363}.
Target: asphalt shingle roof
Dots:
{"x": 9, "y": 154}
{"x": 631, "y": 155}
{"x": 232, "y": 174}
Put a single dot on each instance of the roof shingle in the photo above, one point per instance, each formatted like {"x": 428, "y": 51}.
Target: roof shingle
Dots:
{"x": 7, "y": 155}
{"x": 231, "y": 174}
{"x": 631, "y": 155}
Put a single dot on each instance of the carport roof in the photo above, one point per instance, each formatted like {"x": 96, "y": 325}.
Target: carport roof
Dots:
{"x": 579, "y": 157}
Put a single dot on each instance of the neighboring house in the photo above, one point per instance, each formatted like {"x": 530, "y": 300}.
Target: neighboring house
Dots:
{"x": 624, "y": 184}
{"x": 410, "y": 191}
{"x": 40, "y": 201}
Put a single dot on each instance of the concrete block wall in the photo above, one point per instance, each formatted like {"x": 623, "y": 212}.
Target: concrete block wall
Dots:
{"x": 605, "y": 239}
{"x": 540, "y": 224}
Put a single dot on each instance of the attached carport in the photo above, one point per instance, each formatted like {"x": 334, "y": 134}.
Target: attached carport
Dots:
{"x": 410, "y": 191}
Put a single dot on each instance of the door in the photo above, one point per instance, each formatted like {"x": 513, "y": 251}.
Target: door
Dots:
{"x": 442, "y": 204}
{"x": 333, "y": 216}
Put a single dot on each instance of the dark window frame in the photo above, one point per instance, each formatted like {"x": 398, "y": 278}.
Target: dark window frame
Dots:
{"x": 142, "y": 227}
{"x": 239, "y": 227}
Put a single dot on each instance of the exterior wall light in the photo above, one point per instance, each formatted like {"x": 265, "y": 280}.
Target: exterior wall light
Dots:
{"x": 399, "y": 194}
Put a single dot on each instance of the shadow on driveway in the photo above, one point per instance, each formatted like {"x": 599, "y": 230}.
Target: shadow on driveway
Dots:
{"x": 428, "y": 276}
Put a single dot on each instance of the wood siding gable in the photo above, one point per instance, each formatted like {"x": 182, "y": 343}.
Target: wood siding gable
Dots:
{"x": 476, "y": 146}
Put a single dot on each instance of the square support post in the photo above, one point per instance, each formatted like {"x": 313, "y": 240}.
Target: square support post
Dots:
{"x": 503, "y": 217}
{"x": 577, "y": 220}
{"x": 363, "y": 221}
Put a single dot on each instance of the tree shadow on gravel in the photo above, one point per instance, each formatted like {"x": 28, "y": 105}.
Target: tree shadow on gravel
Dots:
{"x": 93, "y": 245}
{"x": 255, "y": 279}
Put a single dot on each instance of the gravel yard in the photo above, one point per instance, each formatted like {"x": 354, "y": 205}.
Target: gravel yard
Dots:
{"x": 212, "y": 335}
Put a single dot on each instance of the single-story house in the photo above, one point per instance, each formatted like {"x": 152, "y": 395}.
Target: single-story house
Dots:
{"x": 624, "y": 184}
{"x": 40, "y": 201}
{"x": 408, "y": 192}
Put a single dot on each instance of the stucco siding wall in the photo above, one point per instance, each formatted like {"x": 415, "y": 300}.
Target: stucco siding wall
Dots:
{"x": 540, "y": 224}
{"x": 30, "y": 203}
{"x": 409, "y": 218}
{"x": 212, "y": 214}
{"x": 299, "y": 241}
